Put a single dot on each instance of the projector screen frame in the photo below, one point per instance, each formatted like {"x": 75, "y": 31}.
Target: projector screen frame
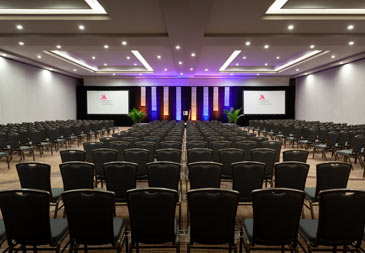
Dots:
{"x": 115, "y": 114}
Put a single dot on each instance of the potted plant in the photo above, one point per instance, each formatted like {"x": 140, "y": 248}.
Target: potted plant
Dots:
{"x": 233, "y": 115}
{"x": 136, "y": 116}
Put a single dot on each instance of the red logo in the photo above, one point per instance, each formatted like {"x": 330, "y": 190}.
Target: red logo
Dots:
{"x": 103, "y": 97}
{"x": 262, "y": 97}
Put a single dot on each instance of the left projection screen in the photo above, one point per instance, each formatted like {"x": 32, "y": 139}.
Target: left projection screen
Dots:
{"x": 107, "y": 102}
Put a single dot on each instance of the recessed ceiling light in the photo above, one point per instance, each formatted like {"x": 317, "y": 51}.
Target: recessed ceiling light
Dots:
{"x": 158, "y": 56}
{"x": 258, "y": 74}
{"x": 193, "y": 54}
{"x": 266, "y": 46}
{"x": 135, "y": 64}
{"x": 105, "y": 64}
{"x": 277, "y": 57}
{"x": 181, "y": 74}
{"x": 113, "y": 74}
{"x": 191, "y": 69}
{"x": 350, "y": 27}
{"x": 50, "y": 69}
{"x": 81, "y": 27}
{"x": 128, "y": 57}
{"x": 290, "y": 27}
{"x": 341, "y": 62}
{"x": 297, "y": 70}
{"x": 39, "y": 56}
{"x": 58, "y": 46}
{"x": 306, "y": 73}
{"x": 165, "y": 69}
{"x": 231, "y": 74}
{"x": 140, "y": 74}
{"x": 19, "y": 27}
{"x": 312, "y": 46}
{"x": 21, "y": 43}
{"x": 237, "y": 64}
{"x": 4, "y": 55}
{"x": 180, "y": 63}
{"x": 248, "y": 43}
{"x": 244, "y": 57}
{"x": 206, "y": 69}
{"x": 351, "y": 43}
{"x": 106, "y": 46}
{"x": 177, "y": 47}
{"x": 124, "y": 43}
{"x": 266, "y": 64}
{"x": 333, "y": 56}
{"x": 93, "y": 57}
{"x": 75, "y": 70}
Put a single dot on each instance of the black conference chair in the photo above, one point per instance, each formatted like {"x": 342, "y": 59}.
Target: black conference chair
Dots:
{"x": 140, "y": 157}
{"x": 77, "y": 175}
{"x": 107, "y": 140}
{"x": 170, "y": 144}
{"x": 196, "y": 144}
{"x": 340, "y": 223}
{"x": 27, "y": 221}
{"x": 90, "y": 216}
{"x": 169, "y": 154}
{"x": 227, "y": 157}
{"x": 150, "y": 146}
{"x": 205, "y": 175}
{"x": 152, "y": 218}
{"x": 101, "y": 156}
{"x": 71, "y": 155}
{"x": 35, "y": 175}
{"x": 120, "y": 146}
{"x": 247, "y": 146}
{"x": 120, "y": 177}
{"x": 216, "y": 146}
{"x": 275, "y": 222}
{"x": 212, "y": 214}
{"x": 246, "y": 177}
{"x": 276, "y": 145}
{"x": 89, "y": 147}
{"x": 164, "y": 174}
{"x": 296, "y": 155}
{"x": 199, "y": 155}
{"x": 330, "y": 175}
{"x": 267, "y": 156}
{"x": 291, "y": 175}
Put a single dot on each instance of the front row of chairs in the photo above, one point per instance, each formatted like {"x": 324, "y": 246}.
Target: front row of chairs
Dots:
{"x": 275, "y": 224}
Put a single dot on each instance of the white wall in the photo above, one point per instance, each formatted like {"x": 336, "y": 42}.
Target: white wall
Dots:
{"x": 336, "y": 95}
{"x": 29, "y": 93}
{"x": 249, "y": 81}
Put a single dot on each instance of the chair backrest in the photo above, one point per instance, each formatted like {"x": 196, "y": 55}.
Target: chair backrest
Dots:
{"x": 3, "y": 140}
{"x": 295, "y": 155}
{"x": 276, "y": 215}
{"x": 291, "y": 175}
{"x": 153, "y": 138}
{"x": 120, "y": 146}
{"x": 77, "y": 175}
{"x": 247, "y": 146}
{"x": 13, "y": 139}
{"x": 359, "y": 141}
{"x": 276, "y": 145}
{"x": 211, "y": 139}
{"x": 259, "y": 141}
{"x": 218, "y": 227}
{"x": 341, "y": 216}
{"x": 131, "y": 140}
{"x": 35, "y": 137}
{"x": 246, "y": 177}
{"x": 120, "y": 177}
{"x": 169, "y": 154}
{"x": 217, "y": 145}
{"x": 26, "y": 216}
{"x": 196, "y": 144}
{"x": 90, "y": 216}
{"x": 138, "y": 156}
{"x": 150, "y": 146}
{"x": 72, "y": 155}
{"x": 170, "y": 144}
{"x": 89, "y": 147}
{"x": 199, "y": 155}
{"x": 101, "y": 156}
{"x": 152, "y": 215}
{"x": 332, "y": 139}
{"x": 205, "y": 174}
{"x": 173, "y": 138}
{"x": 332, "y": 175}
{"x": 227, "y": 156}
{"x": 34, "y": 175}
{"x": 267, "y": 156}
{"x": 163, "y": 174}
{"x": 107, "y": 140}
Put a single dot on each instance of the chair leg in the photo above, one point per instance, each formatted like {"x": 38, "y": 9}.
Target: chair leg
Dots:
{"x": 311, "y": 209}
{"x": 56, "y": 208}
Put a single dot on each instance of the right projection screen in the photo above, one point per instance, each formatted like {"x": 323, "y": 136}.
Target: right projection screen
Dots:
{"x": 264, "y": 102}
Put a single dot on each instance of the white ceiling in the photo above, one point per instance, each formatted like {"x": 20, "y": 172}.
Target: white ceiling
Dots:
{"x": 212, "y": 29}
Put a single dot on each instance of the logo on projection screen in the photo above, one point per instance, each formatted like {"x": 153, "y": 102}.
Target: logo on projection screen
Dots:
{"x": 103, "y": 97}
{"x": 262, "y": 97}
{"x": 264, "y": 101}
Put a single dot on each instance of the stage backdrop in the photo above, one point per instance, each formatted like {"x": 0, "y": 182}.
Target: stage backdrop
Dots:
{"x": 170, "y": 102}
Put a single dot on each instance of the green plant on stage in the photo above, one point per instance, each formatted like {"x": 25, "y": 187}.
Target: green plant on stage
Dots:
{"x": 233, "y": 115}
{"x": 136, "y": 115}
